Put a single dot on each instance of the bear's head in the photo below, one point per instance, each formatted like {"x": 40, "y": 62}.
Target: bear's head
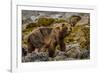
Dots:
{"x": 66, "y": 27}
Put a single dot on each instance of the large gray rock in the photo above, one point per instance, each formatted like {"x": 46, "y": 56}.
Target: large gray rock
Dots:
{"x": 35, "y": 57}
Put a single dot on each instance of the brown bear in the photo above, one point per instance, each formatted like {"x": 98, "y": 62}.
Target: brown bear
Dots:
{"x": 50, "y": 37}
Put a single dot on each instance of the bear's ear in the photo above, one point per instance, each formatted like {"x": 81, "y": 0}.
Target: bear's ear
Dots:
{"x": 58, "y": 28}
{"x": 63, "y": 25}
{"x": 74, "y": 19}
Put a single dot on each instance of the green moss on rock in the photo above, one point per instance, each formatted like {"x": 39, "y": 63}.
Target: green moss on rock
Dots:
{"x": 45, "y": 21}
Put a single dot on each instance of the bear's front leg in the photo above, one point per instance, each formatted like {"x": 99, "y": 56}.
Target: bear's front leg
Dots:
{"x": 62, "y": 45}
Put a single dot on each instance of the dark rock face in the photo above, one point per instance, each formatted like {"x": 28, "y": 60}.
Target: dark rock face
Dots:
{"x": 24, "y": 52}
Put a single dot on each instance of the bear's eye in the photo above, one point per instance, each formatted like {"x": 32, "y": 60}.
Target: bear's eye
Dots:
{"x": 70, "y": 29}
{"x": 63, "y": 25}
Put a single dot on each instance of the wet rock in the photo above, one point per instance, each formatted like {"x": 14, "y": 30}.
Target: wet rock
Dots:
{"x": 58, "y": 58}
{"x": 34, "y": 57}
{"x": 85, "y": 54}
{"x": 73, "y": 51}
{"x": 26, "y": 58}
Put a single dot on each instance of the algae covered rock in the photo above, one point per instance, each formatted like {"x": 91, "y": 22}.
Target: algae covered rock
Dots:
{"x": 80, "y": 34}
{"x": 45, "y": 21}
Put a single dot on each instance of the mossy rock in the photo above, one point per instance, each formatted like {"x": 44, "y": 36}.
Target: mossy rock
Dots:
{"x": 59, "y": 20}
{"x": 81, "y": 34}
{"x": 31, "y": 25}
{"x": 45, "y": 21}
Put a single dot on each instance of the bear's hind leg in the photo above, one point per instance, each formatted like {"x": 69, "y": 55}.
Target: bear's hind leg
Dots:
{"x": 30, "y": 48}
{"x": 51, "y": 52}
